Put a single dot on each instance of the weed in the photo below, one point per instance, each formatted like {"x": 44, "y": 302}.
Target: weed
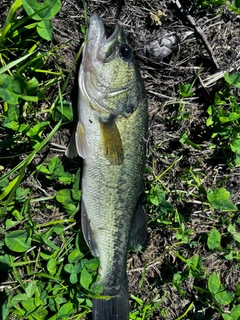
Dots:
{"x": 49, "y": 276}
{"x": 224, "y": 118}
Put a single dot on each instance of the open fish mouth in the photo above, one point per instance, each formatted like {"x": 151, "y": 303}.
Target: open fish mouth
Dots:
{"x": 97, "y": 30}
{"x": 99, "y": 45}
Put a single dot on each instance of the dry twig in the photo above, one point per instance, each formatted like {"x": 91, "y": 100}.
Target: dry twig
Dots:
{"x": 197, "y": 29}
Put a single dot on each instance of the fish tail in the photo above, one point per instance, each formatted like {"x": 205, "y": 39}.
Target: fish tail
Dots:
{"x": 116, "y": 308}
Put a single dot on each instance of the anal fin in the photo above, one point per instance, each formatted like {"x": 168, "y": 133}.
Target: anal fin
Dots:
{"x": 138, "y": 234}
{"x": 87, "y": 232}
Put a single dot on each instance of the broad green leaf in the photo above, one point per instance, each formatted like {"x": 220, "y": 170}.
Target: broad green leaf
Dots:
{"x": 43, "y": 169}
{"x": 77, "y": 267}
{"x": 65, "y": 177}
{"x": 58, "y": 171}
{"x": 214, "y": 239}
{"x": 45, "y": 29}
{"x": 51, "y": 244}
{"x": 11, "y": 89}
{"x": 235, "y": 145}
{"x": 73, "y": 278}
{"x": 6, "y": 89}
{"x": 209, "y": 121}
{"x": 20, "y": 297}
{"x": 85, "y": 278}
{"x": 58, "y": 228}
{"x": 5, "y": 311}
{"x": 29, "y": 305}
{"x": 45, "y": 238}
{"x": 75, "y": 256}
{"x": 65, "y": 310}
{"x": 233, "y": 79}
{"x": 5, "y": 262}
{"x": 18, "y": 241}
{"x": 183, "y": 138}
{"x": 69, "y": 268}
{"x": 76, "y": 194}
{"x": 37, "y": 129}
{"x": 76, "y": 184}
{"x": 32, "y": 86}
{"x": 235, "y": 312}
{"x": 214, "y": 283}
{"x": 53, "y": 163}
{"x": 13, "y": 125}
{"x": 229, "y": 256}
{"x": 232, "y": 229}
{"x": 63, "y": 195}
{"x": 47, "y": 10}
{"x": 13, "y": 113}
{"x": 31, "y": 288}
{"x": 219, "y": 200}
{"x": 21, "y": 193}
{"x": 46, "y": 255}
{"x": 31, "y": 7}
{"x": 233, "y": 116}
{"x": 156, "y": 195}
{"x": 63, "y": 111}
{"x": 91, "y": 264}
{"x": 237, "y": 160}
{"x": 25, "y": 88}
{"x": 3, "y": 183}
{"x": 224, "y": 297}
{"x": 70, "y": 207}
{"x": 53, "y": 7}
{"x": 226, "y": 316}
{"x": 96, "y": 289}
{"x": 51, "y": 266}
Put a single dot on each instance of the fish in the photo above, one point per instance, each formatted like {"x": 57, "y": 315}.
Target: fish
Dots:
{"x": 111, "y": 138}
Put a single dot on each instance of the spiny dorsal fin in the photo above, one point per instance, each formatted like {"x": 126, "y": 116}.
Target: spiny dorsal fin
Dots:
{"x": 112, "y": 143}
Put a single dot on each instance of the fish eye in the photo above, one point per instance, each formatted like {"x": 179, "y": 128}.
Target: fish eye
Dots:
{"x": 125, "y": 51}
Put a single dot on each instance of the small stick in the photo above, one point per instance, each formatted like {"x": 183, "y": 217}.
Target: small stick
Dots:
{"x": 197, "y": 29}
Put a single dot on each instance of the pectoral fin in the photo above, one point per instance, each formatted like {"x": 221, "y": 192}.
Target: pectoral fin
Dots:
{"x": 138, "y": 235}
{"x": 71, "y": 151}
{"x": 87, "y": 232}
{"x": 112, "y": 143}
{"x": 81, "y": 140}
{"x": 78, "y": 144}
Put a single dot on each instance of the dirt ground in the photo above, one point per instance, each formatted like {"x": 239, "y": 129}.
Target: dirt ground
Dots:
{"x": 147, "y": 24}
{"x": 169, "y": 53}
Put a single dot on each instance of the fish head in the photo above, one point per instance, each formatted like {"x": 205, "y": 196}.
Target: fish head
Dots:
{"x": 109, "y": 76}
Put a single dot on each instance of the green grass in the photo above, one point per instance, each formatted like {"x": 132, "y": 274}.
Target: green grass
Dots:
{"x": 46, "y": 269}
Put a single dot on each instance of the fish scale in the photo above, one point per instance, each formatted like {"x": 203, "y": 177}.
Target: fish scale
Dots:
{"x": 110, "y": 137}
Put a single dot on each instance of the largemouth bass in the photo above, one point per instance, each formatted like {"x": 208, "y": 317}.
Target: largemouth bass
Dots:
{"x": 110, "y": 137}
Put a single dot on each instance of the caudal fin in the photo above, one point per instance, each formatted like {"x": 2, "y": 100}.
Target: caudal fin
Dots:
{"x": 117, "y": 308}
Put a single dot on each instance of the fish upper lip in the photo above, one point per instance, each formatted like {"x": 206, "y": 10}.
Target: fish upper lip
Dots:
{"x": 96, "y": 26}
{"x": 97, "y": 39}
